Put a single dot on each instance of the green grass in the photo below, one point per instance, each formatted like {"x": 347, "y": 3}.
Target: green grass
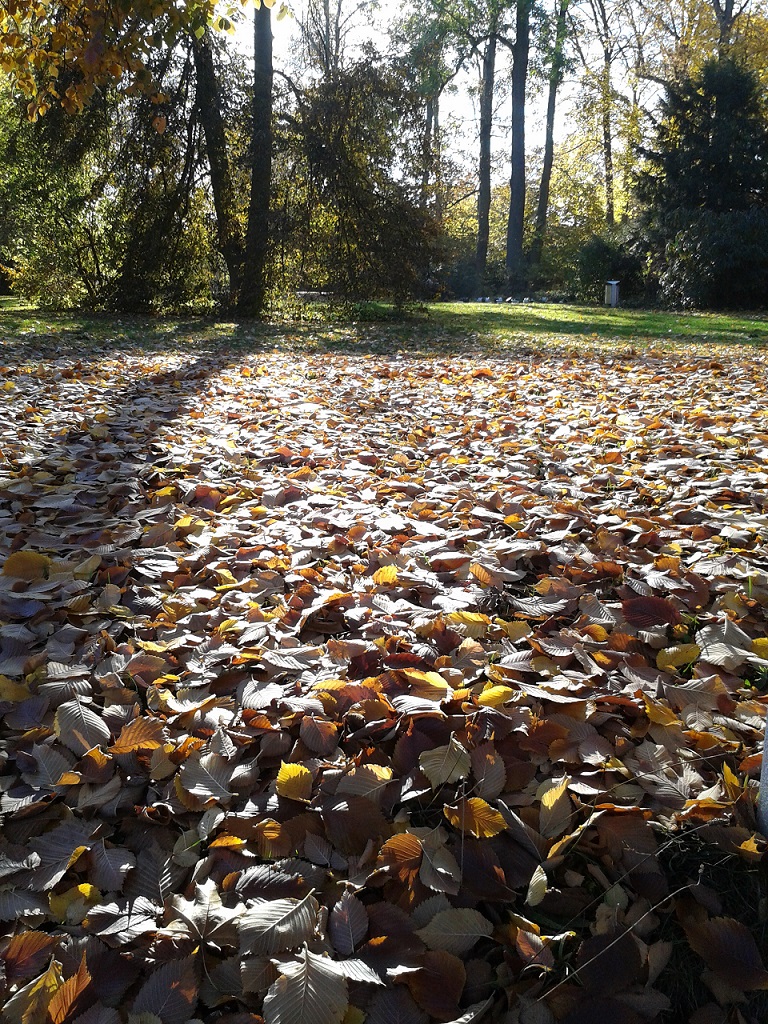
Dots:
{"x": 434, "y": 330}
{"x": 590, "y": 322}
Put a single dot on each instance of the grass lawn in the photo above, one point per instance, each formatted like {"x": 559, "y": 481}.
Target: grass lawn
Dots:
{"x": 434, "y": 329}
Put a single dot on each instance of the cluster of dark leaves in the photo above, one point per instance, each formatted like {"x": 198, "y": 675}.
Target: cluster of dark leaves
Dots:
{"x": 367, "y": 689}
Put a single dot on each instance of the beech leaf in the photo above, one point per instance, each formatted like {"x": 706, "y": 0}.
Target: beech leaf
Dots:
{"x": 309, "y": 990}
{"x": 272, "y": 926}
{"x": 170, "y": 992}
{"x": 455, "y": 931}
{"x": 729, "y": 949}
{"x": 475, "y": 816}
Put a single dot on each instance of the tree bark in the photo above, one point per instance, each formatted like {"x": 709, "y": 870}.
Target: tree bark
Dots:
{"x": 437, "y": 157}
{"x": 515, "y": 261}
{"x": 605, "y": 88}
{"x": 208, "y": 98}
{"x": 555, "y": 79}
{"x": 484, "y": 165}
{"x": 258, "y": 232}
{"x": 427, "y": 156}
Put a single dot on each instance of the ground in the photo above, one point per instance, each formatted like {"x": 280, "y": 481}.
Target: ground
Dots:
{"x": 431, "y": 653}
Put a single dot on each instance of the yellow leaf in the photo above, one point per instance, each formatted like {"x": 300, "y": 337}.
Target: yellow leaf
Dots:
{"x": 676, "y": 657}
{"x": 30, "y": 1004}
{"x": 472, "y": 624}
{"x": 294, "y": 782}
{"x": 750, "y": 850}
{"x": 732, "y": 783}
{"x": 13, "y": 692}
{"x": 658, "y": 713}
{"x": 555, "y": 812}
{"x": 494, "y": 696}
{"x": 189, "y": 523}
{"x": 224, "y": 578}
{"x": 760, "y": 647}
{"x": 514, "y": 630}
{"x": 476, "y": 817}
{"x": 26, "y": 565}
{"x": 85, "y": 569}
{"x": 430, "y": 685}
{"x": 71, "y": 907}
{"x": 386, "y": 575}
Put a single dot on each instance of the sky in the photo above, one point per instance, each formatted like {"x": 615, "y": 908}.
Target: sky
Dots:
{"x": 459, "y": 107}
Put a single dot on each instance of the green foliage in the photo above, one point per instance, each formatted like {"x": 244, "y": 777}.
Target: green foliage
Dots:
{"x": 705, "y": 190}
{"x": 349, "y": 222}
{"x": 118, "y": 219}
{"x": 608, "y": 257}
{"x": 718, "y": 259}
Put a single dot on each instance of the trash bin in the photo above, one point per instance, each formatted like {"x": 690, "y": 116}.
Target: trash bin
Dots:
{"x": 611, "y": 293}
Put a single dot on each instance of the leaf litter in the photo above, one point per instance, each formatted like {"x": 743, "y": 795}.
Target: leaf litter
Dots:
{"x": 372, "y": 688}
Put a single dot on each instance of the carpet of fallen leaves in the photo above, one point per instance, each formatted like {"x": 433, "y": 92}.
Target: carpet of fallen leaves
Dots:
{"x": 341, "y": 687}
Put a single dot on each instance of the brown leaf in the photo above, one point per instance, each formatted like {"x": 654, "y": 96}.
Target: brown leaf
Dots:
{"x": 729, "y": 949}
{"x": 438, "y": 984}
{"x": 26, "y": 954}
{"x": 351, "y": 822}
{"x": 170, "y": 992}
{"x": 607, "y": 964}
{"x": 348, "y": 924}
{"x": 400, "y": 858}
{"x": 647, "y": 612}
{"x": 73, "y": 997}
{"x": 142, "y": 733}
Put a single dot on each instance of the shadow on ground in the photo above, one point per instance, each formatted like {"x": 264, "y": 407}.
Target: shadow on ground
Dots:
{"x": 438, "y": 330}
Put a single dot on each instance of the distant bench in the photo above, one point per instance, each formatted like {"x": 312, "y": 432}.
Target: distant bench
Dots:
{"x": 313, "y": 296}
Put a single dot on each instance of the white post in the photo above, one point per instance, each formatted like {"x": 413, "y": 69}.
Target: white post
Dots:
{"x": 762, "y": 793}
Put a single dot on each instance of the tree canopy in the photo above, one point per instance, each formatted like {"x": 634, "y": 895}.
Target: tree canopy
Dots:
{"x": 346, "y": 169}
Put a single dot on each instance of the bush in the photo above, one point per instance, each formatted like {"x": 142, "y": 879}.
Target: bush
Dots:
{"x": 608, "y": 258}
{"x": 718, "y": 260}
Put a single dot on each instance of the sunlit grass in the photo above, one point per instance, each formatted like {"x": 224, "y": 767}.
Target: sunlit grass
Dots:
{"x": 437, "y": 329}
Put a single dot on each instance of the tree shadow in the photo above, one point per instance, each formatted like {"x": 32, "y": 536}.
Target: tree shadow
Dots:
{"x": 82, "y": 487}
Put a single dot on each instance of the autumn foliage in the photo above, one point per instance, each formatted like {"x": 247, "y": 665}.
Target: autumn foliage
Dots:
{"x": 362, "y": 688}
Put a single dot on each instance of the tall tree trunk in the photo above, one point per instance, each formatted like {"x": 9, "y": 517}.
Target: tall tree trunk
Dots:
{"x": 208, "y": 98}
{"x": 437, "y": 156}
{"x": 726, "y": 16}
{"x": 555, "y": 79}
{"x": 515, "y": 262}
{"x": 258, "y": 232}
{"x": 605, "y": 88}
{"x": 484, "y": 166}
{"x": 427, "y": 156}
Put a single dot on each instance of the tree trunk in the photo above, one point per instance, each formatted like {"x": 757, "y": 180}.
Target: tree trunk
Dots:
{"x": 555, "y": 79}
{"x": 515, "y": 262}
{"x": 484, "y": 166}
{"x": 426, "y": 151}
{"x": 726, "y": 16}
{"x": 208, "y": 98}
{"x": 258, "y": 233}
{"x": 437, "y": 157}
{"x": 605, "y": 88}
